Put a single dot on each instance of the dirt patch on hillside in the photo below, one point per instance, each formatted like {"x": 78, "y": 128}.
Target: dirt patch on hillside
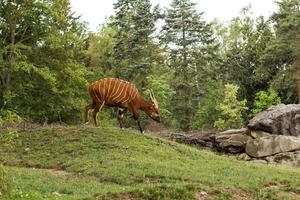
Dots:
{"x": 121, "y": 196}
{"x": 230, "y": 193}
{"x": 59, "y": 172}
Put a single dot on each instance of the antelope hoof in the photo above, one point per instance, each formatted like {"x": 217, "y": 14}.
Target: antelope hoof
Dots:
{"x": 86, "y": 123}
{"x": 143, "y": 132}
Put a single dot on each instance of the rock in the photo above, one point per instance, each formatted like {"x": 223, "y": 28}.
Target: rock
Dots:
{"x": 297, "y": 123}
{"x": 202, "y": 195}
{"x": 232, "y": 143}
{"x": 287, "y": 158}
{"x": 202, "y": 140}
{"x": 271, "y": 145}
{"x": 258, "y": 134}
{"x": 281, "y": 119}
{"x": 243, "y": 156}
{"x": 234, "y": 131}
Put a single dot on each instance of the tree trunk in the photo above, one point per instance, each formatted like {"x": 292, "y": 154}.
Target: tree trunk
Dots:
{"x": 186, "y": 79}
{"x": 10, "y": 59}
{"x": 1, "y": 97}
{"x": 5, "y": 79}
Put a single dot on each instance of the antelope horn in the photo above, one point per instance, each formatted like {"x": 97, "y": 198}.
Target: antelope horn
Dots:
{"x": 153, "y": 98}
{"x": 151, "y": 94}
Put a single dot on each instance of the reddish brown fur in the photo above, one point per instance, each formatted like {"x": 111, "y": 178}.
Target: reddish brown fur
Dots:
{"x": 119, "y": 93}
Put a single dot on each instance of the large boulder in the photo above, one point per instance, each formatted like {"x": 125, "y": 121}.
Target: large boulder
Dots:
{"x": 231, "y": 141}
{"x": 198, "y": 140}
{"x": 234, "y": 131}
{"x": 287, "y": 158}
{"x": 258, "y": 134}
{"x": 281, "y": 119}
{"x": 271, "y": 145}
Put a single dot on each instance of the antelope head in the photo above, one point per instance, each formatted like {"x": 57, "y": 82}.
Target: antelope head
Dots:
{"x": 153, "y": 108}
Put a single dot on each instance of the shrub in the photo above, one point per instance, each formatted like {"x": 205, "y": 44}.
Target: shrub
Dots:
{"x": 265, "y": 99}
{"x": 231, "y": 109}
{"x": 9, "y": 117}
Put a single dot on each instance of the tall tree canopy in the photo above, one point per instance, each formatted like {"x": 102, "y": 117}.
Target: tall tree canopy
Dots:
{"x": 42, "y": 76}
{"x": 135, "y": 49}
{"x": 245, "y": 42}
{"x": 282, "y": 57}
{"x": 188, "y": 40}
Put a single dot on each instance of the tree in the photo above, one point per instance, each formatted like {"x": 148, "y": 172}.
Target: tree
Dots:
{"x": 243, "y": 45}
{"x": 21, "y": 25}
{"x": 282, "y": 57}
{"x": 100, "y": 51}
{"x": 188, "y": 41}
{"x": 231, "y": 109}
{"x": 207, "y": 112}
{"x": 135, "y": 50}
{"x": 42, "y": 59}
{"x": 163, "y": 94}
{"x": 265, "y": 99}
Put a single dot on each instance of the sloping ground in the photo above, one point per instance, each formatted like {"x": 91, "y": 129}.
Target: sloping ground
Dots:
{"x": 109, "y": 163}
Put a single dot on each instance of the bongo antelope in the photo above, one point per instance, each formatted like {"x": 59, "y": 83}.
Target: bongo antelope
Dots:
{"x": 119, "y": 93}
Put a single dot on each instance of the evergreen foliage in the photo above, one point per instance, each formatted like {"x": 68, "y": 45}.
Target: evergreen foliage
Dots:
{"x": 188, "y": 40}
{"x": 134, "y": 49}
{"x": 282, "y": 57}
{"x": 207, "y": 112}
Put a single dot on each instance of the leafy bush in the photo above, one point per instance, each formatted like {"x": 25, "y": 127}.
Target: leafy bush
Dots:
{"x": 43, "y": 94}
{"x": 265, "y": 99}
{"x": 9, "y": 117}
{"x": 231, "y": 109}
{"x": 7, "y": 139}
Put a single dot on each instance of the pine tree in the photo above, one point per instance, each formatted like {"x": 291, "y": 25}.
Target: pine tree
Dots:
{"x": 188, "y": 40}
{"x": 282, "y": 58}
{"x": 134, "y": 49}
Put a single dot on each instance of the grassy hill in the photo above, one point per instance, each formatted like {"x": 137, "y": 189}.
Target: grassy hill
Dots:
{"x": 109, "y": 163}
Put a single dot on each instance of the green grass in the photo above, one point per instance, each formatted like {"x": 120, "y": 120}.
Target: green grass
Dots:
{"x": 106, "y": 163}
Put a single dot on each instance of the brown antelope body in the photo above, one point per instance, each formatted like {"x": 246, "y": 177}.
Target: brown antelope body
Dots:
{"x": 119, "y": 93}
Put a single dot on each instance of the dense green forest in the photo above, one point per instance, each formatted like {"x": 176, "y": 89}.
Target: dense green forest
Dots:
{"x": 204, "y": 74}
